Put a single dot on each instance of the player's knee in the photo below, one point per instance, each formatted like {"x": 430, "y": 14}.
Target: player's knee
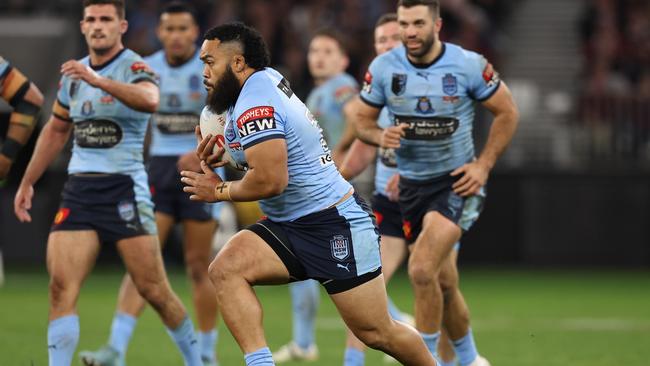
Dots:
{"x": 448, "y": 284}
{"x": 58, "y": 288}
{"x": 422, "y": 274}
{"x": 154, "y": 292}
{"x": 197, "y": 269}
{"x": 373, "y": 337}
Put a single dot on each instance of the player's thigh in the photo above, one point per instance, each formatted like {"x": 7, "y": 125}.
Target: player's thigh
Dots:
{"x": 364, "y": 308}
{"x": 247, "y": 255}
{"x": 142, "y": 258}
{"x": 197, "y": 238}
{"x": 393, "y": 252}
{"x": 71, "y": 256}
{"x": 164, "y": 223}
{"x": 436, "y": 240}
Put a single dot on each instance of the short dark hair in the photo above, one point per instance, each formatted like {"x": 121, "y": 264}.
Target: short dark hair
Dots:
{"x": 256, "y": 53}
{"x": 333, "y": 34}
{"x": 386, "y": 18}
{"x": 118, "y": 4}
{"x": 176, "y": 7}
{"x": 434, "y": 5}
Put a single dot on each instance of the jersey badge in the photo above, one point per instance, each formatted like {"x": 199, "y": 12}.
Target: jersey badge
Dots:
{"x": 449, "y": 84}
{"x": 424, "y": 106}
{"x": 398, "y": 86}
{"x": 87, "y": 108}
{"x": 340, "y": 247}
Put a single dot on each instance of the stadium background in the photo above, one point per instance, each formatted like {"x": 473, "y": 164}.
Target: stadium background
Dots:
{"x": 556, "y": 270}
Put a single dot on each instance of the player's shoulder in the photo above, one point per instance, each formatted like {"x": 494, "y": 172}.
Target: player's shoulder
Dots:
{"x": 344, "y": 79}
{"x": 460, "y": 55}
{"x": 155, "y": 58}
{"x": 3, "y": 61}
{"x": 395, "y": 56}
{"x": 262, "y": 85}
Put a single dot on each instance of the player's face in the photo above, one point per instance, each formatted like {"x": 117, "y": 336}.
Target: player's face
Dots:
{"x": 102, "y": 27}
{"x": 177, "y": 33}
{"x": 418, "y": 30}
{"x": 218, "y": 77}
{"x": 325, "y": 58}
{"x": 387, "y": 37}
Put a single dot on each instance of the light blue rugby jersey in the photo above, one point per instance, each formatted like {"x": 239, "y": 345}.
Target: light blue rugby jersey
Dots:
{"x": 436, "y": 100}
{"x": 326, "y": 103}
{"x": 268, "y": 109}
{"x": 4, "y": 66}
{"x": 386, "y": 162}
{"x": 108, "y": 136}
{"x": 182, "y": 97}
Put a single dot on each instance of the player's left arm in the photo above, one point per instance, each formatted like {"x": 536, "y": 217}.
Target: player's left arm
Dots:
{"x": 347, "y": 137}
{"x": 267, "y": 176}
{"x": 26, "y": 100}
{"x": 506, "y": 118}
{"x": 142, "y": 95}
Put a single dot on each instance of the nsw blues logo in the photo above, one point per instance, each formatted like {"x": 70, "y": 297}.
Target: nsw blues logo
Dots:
{"x": 449, "y": 84}
{"x": 340, "y": 247}
{"x": 174, "y": 101}
{"x": 87, "y": 108}
{"x": 126, "y": 209}
{"x": 424, "y": 106}
{"x": 398, "y": 86}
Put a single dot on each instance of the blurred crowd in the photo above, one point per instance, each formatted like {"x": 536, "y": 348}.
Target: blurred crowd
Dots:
{"x": 614, "y": 103}
{"x": 287, "y": 25}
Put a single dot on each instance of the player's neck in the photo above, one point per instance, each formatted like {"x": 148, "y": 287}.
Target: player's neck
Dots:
{"x": 180, "y": 60}
{"x": 430, "y": 56}
{"x": 323, "y": 80}
{"x": 102, "y": 58}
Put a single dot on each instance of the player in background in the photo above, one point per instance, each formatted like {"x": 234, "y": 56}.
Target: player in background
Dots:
{"x": 106, "y": 99}
{"x": 316, "y": 227}
{"x": 182, "y": 97}
{"x": 429, "y": 88}
{"x": 327, "y": 61}
{"x": 387, "y": 211}
{"x": 26, "y": 101}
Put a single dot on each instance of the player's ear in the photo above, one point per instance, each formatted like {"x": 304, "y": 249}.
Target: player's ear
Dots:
{"x": 345, "y": 62}
{"x": 437, "y": 24}
{"x": 238, "y": 63}
{"x": 124, "y": 26}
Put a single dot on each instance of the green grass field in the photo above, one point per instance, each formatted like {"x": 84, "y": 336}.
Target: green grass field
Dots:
{"x": 519, "y": 317}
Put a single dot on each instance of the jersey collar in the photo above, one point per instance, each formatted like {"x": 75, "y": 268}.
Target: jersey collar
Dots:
{"x": 101, "y": 66}
{"x": 426, "y": 66}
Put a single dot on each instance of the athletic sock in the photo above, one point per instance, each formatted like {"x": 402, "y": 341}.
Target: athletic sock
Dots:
{"x": 431, "y": 340}
{"x": 353, "y": 357}
{"x": 62, "y": 339}
{"x": 185, "y": 339}
{"x": 208, "y": 344}
{"x": 305, "y": 297}
{"x": 261, "y": 357}
{"x": 465, "y": 349}
{"x": 121, "y": 331}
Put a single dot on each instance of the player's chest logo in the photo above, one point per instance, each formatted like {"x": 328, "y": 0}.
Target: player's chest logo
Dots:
{"x": 398, "y": 85}
{"x": 340, "y": 247}
{"x": 449, "y": 84}
{"x": 87, "y": 108}
{"x": 173, "y": 101}
{"x": 424, "y": 106}
{"x": 195, "y": 85}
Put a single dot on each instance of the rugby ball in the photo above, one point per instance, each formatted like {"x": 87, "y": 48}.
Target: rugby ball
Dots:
{"x": 214, "y": 124}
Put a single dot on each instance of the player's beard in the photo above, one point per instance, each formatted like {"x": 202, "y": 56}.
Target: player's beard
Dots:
{"x": 224, "y": 92}
{"x": 427, "y": 44}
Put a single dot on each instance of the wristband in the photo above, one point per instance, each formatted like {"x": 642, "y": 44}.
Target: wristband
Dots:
{"x": 10, "y": 148}
{"x": 222, "y": 192}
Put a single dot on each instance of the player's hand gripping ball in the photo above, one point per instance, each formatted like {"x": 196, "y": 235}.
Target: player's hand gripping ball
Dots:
{"x": 214, "y": 124}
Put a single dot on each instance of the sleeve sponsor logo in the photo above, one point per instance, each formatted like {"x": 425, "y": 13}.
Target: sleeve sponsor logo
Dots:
{"x": 139, "y": 67}
{"x": 367, "y": 83}
{"x": 344, "y": 93}
{"x": 255, "y": 120}
{"x": 490, "y": 76}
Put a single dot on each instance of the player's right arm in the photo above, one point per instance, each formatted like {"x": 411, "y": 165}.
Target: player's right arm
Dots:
{"x": 368, "y": 106}
{"x": 50, "y": 142}
{"x": 357, "y": 159}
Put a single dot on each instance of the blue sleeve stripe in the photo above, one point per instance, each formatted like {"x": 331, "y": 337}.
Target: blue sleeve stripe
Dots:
{"x": 262, "y": 139}
{"x": 371, "y": 103}
{"x": 490, "y": 94}
{"x": 144, "y": 78}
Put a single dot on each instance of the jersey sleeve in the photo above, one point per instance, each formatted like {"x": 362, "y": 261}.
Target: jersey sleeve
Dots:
{"x": 372, "y": 92}
{"x": 61, "y": 108}
{"x": 483, "y": 79}
{"x": 258, "y": 118}
{"x": 345, "y": 91}
{"x": 138, "y": 70}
